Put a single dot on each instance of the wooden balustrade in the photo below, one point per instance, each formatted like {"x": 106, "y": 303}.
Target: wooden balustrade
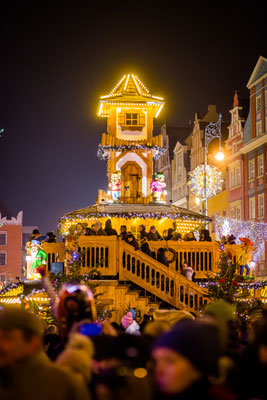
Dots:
{"x": 55, "y": 253}
{"x": 160, "y": 280}
{"x": 116, "y": 258}
{"x": 201, "y": 256}
{"x": 99, "y": 252}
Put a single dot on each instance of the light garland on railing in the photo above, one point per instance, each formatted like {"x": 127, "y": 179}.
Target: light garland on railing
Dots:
{"x": 101, "y": 153}
{"x": 214, "y": 181}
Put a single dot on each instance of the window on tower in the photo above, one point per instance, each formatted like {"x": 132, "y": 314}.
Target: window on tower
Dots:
{"x": 131, "y": 119}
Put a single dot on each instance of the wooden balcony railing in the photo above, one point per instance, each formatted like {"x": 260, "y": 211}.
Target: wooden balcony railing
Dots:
{"x": 159, "y": 279}
{"x": 115, "y": 258}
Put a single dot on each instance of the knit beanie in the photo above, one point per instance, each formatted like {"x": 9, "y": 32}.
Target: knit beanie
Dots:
{"x": 132, "y": 311}
{"x": 197, "y": 341}
{"x": 127, "y": 320}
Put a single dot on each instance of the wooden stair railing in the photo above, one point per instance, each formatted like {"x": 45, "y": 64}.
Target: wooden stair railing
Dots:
{"x": 158, "y": 279}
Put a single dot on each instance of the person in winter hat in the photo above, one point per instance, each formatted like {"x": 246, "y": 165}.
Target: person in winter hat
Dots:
{"x": 130, "y": 325}
{"x": 184, "y": 357}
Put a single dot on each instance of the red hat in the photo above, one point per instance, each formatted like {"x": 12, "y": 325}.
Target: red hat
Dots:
{"x": 246, "y": 241}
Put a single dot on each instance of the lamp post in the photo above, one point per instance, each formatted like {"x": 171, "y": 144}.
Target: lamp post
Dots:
{"x": 212, "y": 131}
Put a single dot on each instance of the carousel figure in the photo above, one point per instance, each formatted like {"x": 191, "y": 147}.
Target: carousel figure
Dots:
{"x": 36, "y": 257}
{"x": 115, "y": 186}
{"x": 157, "y": 186}
{"x": 245, "y": 256}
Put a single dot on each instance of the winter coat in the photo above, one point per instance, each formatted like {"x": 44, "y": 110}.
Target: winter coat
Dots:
{"x": 38, "y": 378}
{"x": 153, "y": 236}
{"x": 146, "y": 249}
{"x": 100, "y": 232}
{"x": 123, "y": 235}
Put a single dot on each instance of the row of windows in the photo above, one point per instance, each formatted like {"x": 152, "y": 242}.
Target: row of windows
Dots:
{"x": 252, "y": 208}
{"x": 251, "y": 167}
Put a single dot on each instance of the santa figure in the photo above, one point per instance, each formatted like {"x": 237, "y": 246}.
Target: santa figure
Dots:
{"x": 245, "y": 256}
{"x": 36, "y": 257}
{"x": 115, "y": 185}
{"x": 157, "y": 186}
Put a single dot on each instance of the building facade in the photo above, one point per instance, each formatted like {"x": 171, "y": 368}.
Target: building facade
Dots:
{"x": 235, "y": 160}
{"x": 217, "y": 205}
{"x": 10, "y": 247}
{"x": 254, "y": 152}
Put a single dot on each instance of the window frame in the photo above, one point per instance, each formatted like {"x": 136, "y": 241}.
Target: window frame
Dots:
{"x": 131, "y": 119}
{"x": 250, "y": 163}
{"x": 4, "y": 233}
{"x": 5, "y": 253}
{"x": 258, "y": 103}
{"x": 252, "y": 201}
{"x": 258, "y": 131}
{"x": 260, "y": 165}
{"x": 261, "y": 206}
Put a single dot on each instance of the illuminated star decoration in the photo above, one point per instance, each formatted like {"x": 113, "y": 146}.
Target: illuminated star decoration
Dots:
{"x": 214, "y": 179}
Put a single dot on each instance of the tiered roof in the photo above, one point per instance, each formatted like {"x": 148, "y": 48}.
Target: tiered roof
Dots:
{"x": 130, "y": 90}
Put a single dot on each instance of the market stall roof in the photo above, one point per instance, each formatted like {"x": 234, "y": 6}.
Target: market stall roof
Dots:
{"x": 128, "y": 211}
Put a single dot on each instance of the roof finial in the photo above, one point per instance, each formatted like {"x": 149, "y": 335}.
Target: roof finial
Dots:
{"x": 236, "y": 101}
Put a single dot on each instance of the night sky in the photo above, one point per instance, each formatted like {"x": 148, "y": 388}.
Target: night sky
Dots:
{"x": 58, "y": 58}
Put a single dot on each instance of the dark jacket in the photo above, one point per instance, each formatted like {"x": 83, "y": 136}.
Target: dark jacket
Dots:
{"x": 143, "y": 233}
{"x": 38, "y": 378}
{"x": 100, "y": 232}
{"x": 146, "y": 249}
{"x": 123, "y": 235}
{"x": 109, "y": 230}
{"x": 153, "y": 236}
{"x": 161, "y": 257}
{"x": 133, "y": 242}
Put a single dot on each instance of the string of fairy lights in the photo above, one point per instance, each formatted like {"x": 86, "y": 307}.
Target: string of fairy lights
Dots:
{"x": 103, "y": 151}
{"x": 255, "y": 231}
{"x": 185, "y": 223}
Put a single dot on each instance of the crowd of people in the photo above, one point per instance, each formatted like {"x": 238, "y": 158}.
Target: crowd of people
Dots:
{"x": 166, "y": 354}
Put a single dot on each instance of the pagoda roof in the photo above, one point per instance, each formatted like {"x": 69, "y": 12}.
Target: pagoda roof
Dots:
{"x": 131, "y": 91}
{"x": 128, "y": 211}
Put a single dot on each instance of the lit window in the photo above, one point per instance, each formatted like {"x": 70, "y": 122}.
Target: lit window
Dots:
{"x": 252, "y": 208}
{"x": 232, "y": 213}
{"x": 238, "y": 213}
{"x": 2, "y": 258}
{"x": 251, "y": 172}
{"x": 258, "y": 128}
{"x": 235, "y": 177}
{"x": 258, "y": 104}
{"x": 131, "y": 119}
{"x": 261, "y": 205}
{"x": 3, "y": 238}
{"x": 260, "y": 165}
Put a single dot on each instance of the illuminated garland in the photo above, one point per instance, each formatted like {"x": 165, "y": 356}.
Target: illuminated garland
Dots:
{"x": 102, "y": 150}
{"x": 155, "y": 216}
{"x": 255, "y": 231}
{"x": 12, "y": 289}
{"x": 214, "y": 181}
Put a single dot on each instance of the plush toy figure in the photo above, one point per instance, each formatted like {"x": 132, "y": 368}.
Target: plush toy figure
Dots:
{"x": 35, "y": 259}
{"x": 245, "y": 256}
{"x": 157, "y": 186}
{"x": 115, "y": 185}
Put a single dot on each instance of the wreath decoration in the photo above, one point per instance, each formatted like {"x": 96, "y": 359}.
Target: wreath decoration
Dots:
{"x": 170, "y": 254}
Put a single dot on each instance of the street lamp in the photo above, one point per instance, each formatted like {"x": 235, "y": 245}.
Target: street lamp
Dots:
{"x": 212, "y": 131}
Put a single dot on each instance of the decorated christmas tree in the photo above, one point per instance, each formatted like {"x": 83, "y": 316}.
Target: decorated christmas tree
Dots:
{"x": 227, "y": 284}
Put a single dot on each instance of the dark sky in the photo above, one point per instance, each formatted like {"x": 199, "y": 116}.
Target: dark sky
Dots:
{"x": 58, "y": 58}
